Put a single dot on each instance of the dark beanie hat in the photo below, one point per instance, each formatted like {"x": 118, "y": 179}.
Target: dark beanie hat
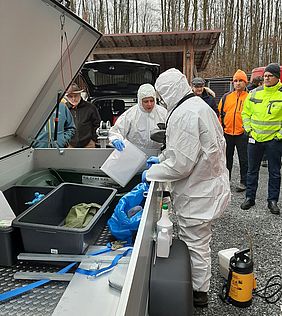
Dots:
{"x": 274, "y": 69}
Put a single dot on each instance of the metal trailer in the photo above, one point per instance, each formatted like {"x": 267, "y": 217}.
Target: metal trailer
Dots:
{"x": 220, "y": 86}
{"x": 35, "y": 67}
{"x": 89, "y": 297}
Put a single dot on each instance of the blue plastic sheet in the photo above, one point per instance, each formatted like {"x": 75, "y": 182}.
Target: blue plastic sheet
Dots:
{"x": 122, "y": 226}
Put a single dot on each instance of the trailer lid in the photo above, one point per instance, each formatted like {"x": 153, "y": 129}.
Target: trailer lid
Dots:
{"x": 44, "y": 47}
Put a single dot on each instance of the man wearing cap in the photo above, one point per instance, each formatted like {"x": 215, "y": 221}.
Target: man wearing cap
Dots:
{"x": 199, "y": 89}
{"x": 230, "y": 108}
{"x": 86, "y": 118}
{"x": 262, "y": 118}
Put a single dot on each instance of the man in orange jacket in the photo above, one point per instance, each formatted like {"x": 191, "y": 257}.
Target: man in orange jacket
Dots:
{"x": 230, "y": 108}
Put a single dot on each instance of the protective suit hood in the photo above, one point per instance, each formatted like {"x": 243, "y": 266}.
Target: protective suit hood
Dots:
{"x": 172, "y": 86}
{"x": 136, "y": 125}
{"x": 145, "y": 91}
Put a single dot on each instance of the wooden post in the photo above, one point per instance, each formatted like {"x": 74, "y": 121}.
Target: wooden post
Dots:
{"x": 186, "y": 59}
{"x": 192, "y": 61}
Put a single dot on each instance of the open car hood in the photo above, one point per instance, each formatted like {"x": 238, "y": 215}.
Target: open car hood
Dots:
{"x": 106, "y": 78}
{"x": 44, "y": 45}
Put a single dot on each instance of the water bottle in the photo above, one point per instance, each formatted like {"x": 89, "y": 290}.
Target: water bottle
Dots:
{"x": 163, "y": 243}
{"x": 165, "y": 222}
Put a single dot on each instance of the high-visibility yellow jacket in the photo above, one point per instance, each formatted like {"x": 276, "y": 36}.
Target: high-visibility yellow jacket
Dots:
{"x": 262, "y": 113}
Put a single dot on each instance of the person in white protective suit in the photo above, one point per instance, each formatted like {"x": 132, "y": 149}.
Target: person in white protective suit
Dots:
{"x": 136, "y": 123}
{"x": 194, "y": 163}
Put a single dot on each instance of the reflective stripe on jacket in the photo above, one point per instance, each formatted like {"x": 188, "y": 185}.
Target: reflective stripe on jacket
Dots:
{"x": 262, "y": 113}
{"x": 230, "y": 108}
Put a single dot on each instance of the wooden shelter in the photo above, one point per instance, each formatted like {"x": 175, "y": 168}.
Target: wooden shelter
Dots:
{"x": 188, "y": 51}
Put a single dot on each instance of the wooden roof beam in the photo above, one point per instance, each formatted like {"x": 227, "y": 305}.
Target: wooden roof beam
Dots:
{"x": 142, "y": 50}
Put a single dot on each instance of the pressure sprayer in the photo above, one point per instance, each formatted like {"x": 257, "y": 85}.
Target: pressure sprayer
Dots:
{"x": 241, "y": 281}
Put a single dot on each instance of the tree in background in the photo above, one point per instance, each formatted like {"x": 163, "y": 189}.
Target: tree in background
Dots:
{"x": 252, "y": 29}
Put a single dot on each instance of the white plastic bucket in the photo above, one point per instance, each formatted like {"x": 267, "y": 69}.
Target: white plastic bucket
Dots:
{"x": 6, "y": 213}
{"x": 121, "y": 166}
{"x": 224, "y": 257}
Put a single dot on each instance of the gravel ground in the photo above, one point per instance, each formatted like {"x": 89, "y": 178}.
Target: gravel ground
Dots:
{"x": 229, "y": 231}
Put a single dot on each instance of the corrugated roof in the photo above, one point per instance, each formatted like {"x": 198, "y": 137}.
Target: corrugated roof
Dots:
{"x": 164, "y": 48}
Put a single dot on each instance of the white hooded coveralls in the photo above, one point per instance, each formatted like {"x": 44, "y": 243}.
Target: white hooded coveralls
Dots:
{"x": 136, "y": 124}
{"x": 194, "y": 163}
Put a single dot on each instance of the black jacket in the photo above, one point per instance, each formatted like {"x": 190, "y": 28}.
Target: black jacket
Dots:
{"x": 210, "y": 100}
{"x": 87, "y": 119}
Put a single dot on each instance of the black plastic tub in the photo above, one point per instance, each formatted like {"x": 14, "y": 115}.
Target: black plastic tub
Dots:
{"x": 41, "y": 226}
{"x": 10, "y": 238}
{"x": 54, "y": 177}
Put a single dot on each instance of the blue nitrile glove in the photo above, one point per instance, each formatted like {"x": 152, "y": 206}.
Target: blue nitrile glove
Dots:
{"x": 152, "y": 160}
{"x": 144, "y": 173}
{"x": 118, "y": 144}
{"x": 37, "y": 198}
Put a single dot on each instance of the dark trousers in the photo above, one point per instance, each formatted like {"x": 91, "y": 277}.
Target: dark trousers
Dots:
{"x": 241, "y": 144}
{"x": 273, "y": 150}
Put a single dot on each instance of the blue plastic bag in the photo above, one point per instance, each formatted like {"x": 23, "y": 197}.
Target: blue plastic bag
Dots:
{"x": 120, "y": 224}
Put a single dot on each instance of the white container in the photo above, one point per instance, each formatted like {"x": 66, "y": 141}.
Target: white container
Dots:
{"x": 6, "y": 213}
{"x": 166, "y": 223}
{"x": 224, "y": 257}
{"x": 163, "y": 245}
{"x": 121, "y": 166}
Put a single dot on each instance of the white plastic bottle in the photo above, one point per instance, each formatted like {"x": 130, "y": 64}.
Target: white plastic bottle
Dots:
{"x": 163, "y": 245}
{"x": 165, "y": 222}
